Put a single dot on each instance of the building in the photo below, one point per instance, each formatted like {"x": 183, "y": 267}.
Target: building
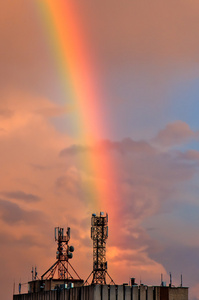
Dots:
{"x": 109, "y": 292}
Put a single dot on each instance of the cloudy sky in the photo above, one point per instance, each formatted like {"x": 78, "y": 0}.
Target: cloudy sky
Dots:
{"x": 131, "y": 150}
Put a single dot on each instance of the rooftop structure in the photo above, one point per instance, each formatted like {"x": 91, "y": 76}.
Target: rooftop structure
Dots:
{"x": 61, "y": 273}
{"x": 61, "y": 281}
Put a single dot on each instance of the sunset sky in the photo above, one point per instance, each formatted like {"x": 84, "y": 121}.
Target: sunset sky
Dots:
{"x": 99, "y": 112}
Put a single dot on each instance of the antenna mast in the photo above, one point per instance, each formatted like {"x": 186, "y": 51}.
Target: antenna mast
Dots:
{"x": 99, "y": 235}
{"x": 63, "y": 254}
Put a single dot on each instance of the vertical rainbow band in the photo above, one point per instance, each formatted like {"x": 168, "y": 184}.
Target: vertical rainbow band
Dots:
{"x": 76, "y": 70}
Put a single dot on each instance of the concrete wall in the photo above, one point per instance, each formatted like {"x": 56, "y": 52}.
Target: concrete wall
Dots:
{"x": 150, "y": 293}
{"x": 142, "y": 292}
{"x": 105, "y": 292}
{"x": 178, "y": 294}
{"x": 134, "y": 292}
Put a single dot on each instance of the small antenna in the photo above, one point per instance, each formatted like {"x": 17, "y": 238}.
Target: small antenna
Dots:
{"x": 170, "y": 279}
{"x": 35, "y": 272}
{"x": 68, "y": 232}
{"x": 181, "y": 280}
{"x": 19, "y": 288}
{"x": 161, "y": 279}
{"x": 32, "y": 273}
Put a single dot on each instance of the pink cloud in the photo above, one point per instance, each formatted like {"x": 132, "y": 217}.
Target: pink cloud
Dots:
{"x": 137, "y": 32}
{"x": 175, "y": 133}
{"x": 41, "y": 162}
{"x": 30, "y": 160}
{"x": 191, "y": 155}
{"x": 148, "y": 180}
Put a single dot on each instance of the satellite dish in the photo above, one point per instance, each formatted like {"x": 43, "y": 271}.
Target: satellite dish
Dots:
{"x": 71, "y": 249}
{"x": 70, "y": 255}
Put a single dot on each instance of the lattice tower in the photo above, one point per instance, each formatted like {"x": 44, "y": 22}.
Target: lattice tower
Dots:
{"x": 62, "y": 266}
{"x": 99, "y": 235}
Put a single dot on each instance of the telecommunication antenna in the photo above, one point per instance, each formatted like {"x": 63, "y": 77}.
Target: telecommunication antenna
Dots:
{"x": 34, "y": 273}
{"x": 99, "y": 235}
{"x": 170, "y": 284}
{"x": 63, "y": 255}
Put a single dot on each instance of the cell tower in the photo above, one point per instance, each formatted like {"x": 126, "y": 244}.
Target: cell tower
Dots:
{"x": 99, "y": 235}
{"x": 63, "y": 254}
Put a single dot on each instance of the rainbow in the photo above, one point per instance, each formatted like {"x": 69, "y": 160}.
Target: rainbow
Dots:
{"x": 77, "y": 73}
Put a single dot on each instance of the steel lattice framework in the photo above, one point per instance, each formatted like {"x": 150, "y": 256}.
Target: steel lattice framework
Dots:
{"x": 63, "y": 254}
{"x": 99, "y": 235}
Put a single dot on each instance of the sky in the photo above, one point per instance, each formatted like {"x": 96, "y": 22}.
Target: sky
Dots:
{"x": 99, "y": 112}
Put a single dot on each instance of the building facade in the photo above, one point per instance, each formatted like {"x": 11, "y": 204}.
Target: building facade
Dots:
{"x": 109, "y": 292}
